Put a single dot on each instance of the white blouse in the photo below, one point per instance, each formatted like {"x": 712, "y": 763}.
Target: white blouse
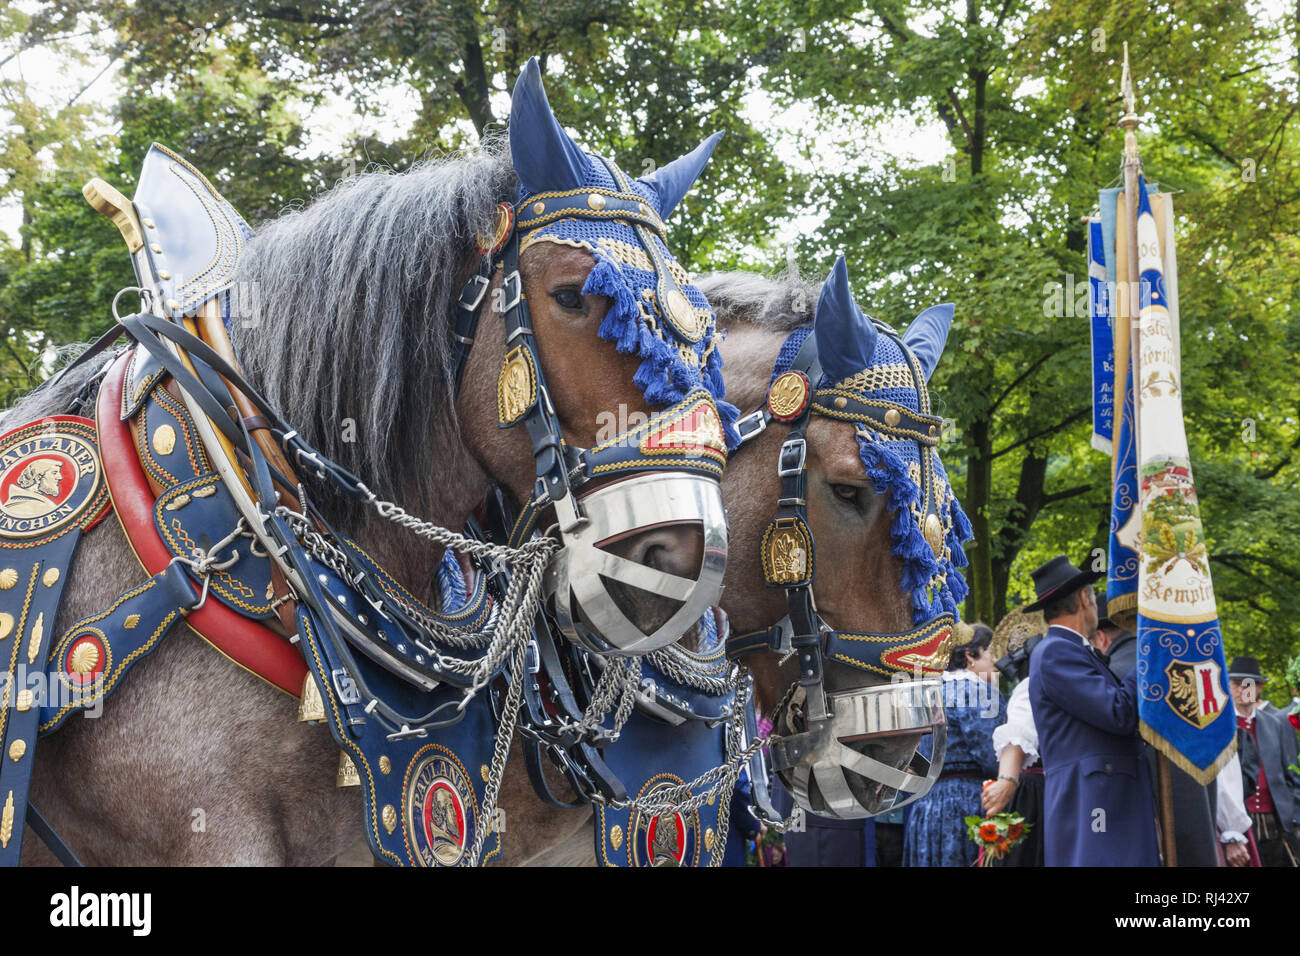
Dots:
{"x": 1019, "y": 728}
{"x": 1232, "y": 819}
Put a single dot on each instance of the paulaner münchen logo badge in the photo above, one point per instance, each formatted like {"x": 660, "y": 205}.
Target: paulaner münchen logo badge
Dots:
{"x": 439, "y": 808}
{"x": 668, "y": 839}
{"x": 50, "y": 479}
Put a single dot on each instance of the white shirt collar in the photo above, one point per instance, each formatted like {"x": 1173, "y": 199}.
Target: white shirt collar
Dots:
{"x": 1082, "y": 639}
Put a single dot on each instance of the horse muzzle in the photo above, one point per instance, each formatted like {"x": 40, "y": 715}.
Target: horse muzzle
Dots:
{"x": 619, "y": 583}
{"x": 860, "y": 757}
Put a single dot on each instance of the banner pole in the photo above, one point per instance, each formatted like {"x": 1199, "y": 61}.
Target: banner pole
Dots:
{"x": 1132, "y": 169}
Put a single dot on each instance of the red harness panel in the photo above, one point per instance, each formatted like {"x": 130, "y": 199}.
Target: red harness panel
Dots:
{"x": 248, "y": 643}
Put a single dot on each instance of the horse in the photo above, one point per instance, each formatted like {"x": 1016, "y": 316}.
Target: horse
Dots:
{"x": 863, "y": 576}
{"x": 351, "y": 337}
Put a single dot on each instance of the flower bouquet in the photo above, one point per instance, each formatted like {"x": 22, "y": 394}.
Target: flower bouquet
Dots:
{"x": 996, "y": 835}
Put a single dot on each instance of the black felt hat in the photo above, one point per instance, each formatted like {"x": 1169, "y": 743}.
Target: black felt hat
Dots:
{"x": 1057, "y": 578}
{"x": 1246, "y": 668}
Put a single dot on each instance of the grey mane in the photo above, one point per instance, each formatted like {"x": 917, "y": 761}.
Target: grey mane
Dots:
{"x": 778, "y": 304}
{"x": 345, "y": 310}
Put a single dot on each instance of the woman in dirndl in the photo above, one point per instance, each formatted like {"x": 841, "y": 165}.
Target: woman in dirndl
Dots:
{"x": 935, "y": 833}
{"x": 1019, "y": 786}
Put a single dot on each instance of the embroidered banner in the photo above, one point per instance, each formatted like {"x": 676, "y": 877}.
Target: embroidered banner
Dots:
{"x": 1103, "y": 346}
{"x": 1184, "y": 706}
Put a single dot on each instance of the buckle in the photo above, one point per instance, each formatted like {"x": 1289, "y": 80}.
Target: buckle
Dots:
{"x": 511, "y": 292}
{"x": 794, "y": 454}
{"x": 752, "y": 425}
{"x": 532, "y": 657}
{"x": 471, "y": 296}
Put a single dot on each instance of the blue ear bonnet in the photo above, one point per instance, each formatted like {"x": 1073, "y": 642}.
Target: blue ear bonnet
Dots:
{"x": 676, "y": 339}
{"x": 908, "y": 471}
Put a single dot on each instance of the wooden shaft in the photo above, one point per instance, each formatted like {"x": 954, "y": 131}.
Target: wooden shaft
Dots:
{"x": 1166, "y": 787}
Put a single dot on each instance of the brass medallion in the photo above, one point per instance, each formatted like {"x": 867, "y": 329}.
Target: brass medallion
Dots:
{"x": 787, "y": 553}
{"x": 596, "y": 201}
{"x": 17, "y": 749}
{"x": 389, "y": 816}
{"x": 682, "y": 313}
{"x": 25, "y": 700}
{"x": 516, "y": 386}
{"x": 708, "y": 839}
{"x": 348, "y": 775}
{"x": 84, "y": 658}
{"x": 8, "y": 578}
{"x": 164, "y": 439}
{"x": 933, "y": 531}
{"x": 788, "y": 396}
{"x": 385, "y": 765}
{"x": 616, "y": 836}
{"x": 311, "y": 707}
{"x": 50, "y": 577}
{"x": 131, "y": 621}
{"x": 6, "y": 625}
{"x": 892, "y": 418}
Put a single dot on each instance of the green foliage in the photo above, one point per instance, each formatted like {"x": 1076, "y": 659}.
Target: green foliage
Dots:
{"x": 1025, "y": 93}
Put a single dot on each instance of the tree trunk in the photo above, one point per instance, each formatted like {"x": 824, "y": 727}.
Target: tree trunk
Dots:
{"x": 1012, "y": 537}
{"x": 979, "y": 491}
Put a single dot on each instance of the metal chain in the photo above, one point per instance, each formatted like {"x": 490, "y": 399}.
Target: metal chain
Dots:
{"x": 673, "y": 663}
{"x": 613, "y": 681}
{"x": 500, "y": 753}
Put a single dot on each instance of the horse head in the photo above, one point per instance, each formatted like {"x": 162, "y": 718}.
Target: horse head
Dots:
{"x": 846, "y": 471}
{"x": 587, "y": 335}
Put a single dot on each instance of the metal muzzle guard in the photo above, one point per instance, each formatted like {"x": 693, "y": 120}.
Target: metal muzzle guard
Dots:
{"x": 580, "y": 573}
{"x": 816, "y": 764}
{"x": 673, "y": 465}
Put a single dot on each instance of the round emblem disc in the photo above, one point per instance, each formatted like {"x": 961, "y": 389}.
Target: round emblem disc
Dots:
{"x": 788, "y": 396}
{"x": 50, "y": 479}
{"x": 667, "y": 839}
{"x": 439, "y": 809}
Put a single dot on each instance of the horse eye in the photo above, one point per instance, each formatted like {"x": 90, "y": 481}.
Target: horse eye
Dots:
{"x": 847, "y": 493}
{"x": 570, "y": 299}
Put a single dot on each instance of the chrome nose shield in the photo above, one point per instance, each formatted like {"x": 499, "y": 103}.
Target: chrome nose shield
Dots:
{"x": 582, "y": 572}
{"x": 818, "y": 759}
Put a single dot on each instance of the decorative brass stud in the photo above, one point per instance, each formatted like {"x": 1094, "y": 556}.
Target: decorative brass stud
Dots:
{"x": 164, "y": 274}
{"x": 933, "y": 531}
{"x": 177, "y": 503}
{"x": 270, "y": 590}
{"x": 50, "y": 577}
{"x": 131, "y": 621}
{"x": 484, "y": 771}
{"x": 8, "y": 578}
{"x": 892, "y": 418}
{"x": 17, "y": 749}
{"x": 164, "y": 439}
{"x": 149, "y": 224}
{"x": 933, "y": 431}
{"x": 709, "y": 839}
{"x": 389, "y": 816}
{"x": 616, "y": 836}
{"x": 84, "y": 658}
{"x": 643, "y": 209}
{"x": 539, "y": 208}
{"x": 385, "y": 765}
{"x": 596, "y": 201}
{"x": 155, "y": 247}
{"x": 25, "y": 700}
{"x": 841, "y": 402}
{"x": 6, "y": 625}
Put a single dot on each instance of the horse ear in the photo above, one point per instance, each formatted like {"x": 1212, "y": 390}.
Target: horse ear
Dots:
{"x": 673, "y": 181}
{"x": 927, "y": 335}
{"x": 544, "y": 156}
{"x": 846, "y": 339}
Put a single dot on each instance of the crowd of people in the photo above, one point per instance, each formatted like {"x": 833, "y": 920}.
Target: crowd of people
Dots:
{"x": 1063, "y": 752}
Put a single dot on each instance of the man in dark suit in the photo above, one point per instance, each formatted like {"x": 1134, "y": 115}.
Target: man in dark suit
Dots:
{"x": 1194, "y": 831}
{"x": 1268, "y": 751}
{"x": 1098, "y": 805}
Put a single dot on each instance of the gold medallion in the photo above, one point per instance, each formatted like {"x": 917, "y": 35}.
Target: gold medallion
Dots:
{"x": 787, "y": 553}
{"x": 616, "y": 836}
{"x": 164, "y": 439}
{"x": 385, "y": 765}
{"x": 6, "y": 625}
{"x": 311, "y": 707}
{"x": 25, "y": 700}
{"x": 933, "y": 532}
{"x": 17, "y": 749}
{"x": 348, "y": 775}
{"x": 682, "y": 314}
{"x": 788, "y": 396}
{"x": 389, "y": 816}
{"x": 708, "y": 839}
{"x": 50, "y": 577}
{"x": 516, "y": 386}
{"x": 8, "y": 578}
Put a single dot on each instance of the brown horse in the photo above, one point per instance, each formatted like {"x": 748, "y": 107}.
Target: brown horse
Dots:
{"x": 197, "y": 762}
{"x": 859, "y": 581}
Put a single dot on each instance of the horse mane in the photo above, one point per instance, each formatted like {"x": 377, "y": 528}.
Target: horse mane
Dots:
{"x": 779, "y": 305}
{"x": 345, "y": 310}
